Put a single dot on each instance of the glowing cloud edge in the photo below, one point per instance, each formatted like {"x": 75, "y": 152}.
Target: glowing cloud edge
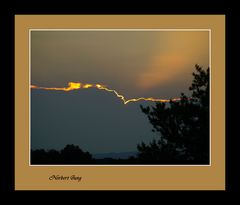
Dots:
{"x": 78, "y": 86}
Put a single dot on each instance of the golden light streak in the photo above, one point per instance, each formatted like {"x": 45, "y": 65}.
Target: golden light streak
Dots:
{"x": 77, "y": 86}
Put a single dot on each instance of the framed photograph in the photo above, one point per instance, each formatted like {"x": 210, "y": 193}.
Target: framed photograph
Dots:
{"x": 120, "y": 102}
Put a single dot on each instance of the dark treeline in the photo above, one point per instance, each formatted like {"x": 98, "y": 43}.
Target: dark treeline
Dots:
{"x": 182, "y": 127}
{"x": 72, "y": 154}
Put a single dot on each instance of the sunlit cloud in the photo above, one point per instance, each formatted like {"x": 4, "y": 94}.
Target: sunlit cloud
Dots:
{"x": 131, "y": 62}
{"x": 175, "y": 58}
{"x": 162, "y": 69}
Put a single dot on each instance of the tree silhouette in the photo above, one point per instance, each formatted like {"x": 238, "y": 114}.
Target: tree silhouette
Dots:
{"x": 182, "y": 126}
{"x": 71, "y": 154}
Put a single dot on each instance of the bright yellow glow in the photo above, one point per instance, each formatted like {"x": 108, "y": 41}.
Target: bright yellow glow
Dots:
{"x": 87, "y": 86}
{"x": 74, "y": 85}
{"x": 77, "y": 86}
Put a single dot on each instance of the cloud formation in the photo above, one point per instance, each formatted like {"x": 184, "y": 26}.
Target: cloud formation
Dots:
{"x": 175, "y": 59}
{"x": 134, "y": 63}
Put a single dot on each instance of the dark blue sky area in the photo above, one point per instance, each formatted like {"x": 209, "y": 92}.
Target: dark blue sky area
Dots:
{"x": 95, "y": 120}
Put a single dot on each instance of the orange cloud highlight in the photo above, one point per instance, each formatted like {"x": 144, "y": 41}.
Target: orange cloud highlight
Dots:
{"x": 77, "y": 86}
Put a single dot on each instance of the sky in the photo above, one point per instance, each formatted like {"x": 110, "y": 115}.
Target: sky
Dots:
{"x": 154, "y": 64}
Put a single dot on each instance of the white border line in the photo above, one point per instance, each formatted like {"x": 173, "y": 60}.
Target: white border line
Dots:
{"x": 121, "y": 29}
{"x": 210, "y": 66}
{"x": 210, "y": 101}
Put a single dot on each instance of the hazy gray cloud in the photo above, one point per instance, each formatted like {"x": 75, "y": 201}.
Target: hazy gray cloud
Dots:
{"x": 131, "y": 62}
